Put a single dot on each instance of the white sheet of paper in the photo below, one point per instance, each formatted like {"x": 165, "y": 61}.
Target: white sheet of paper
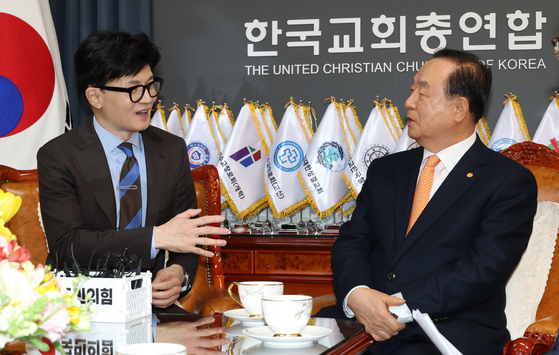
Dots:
{"x": 444, "y": 346}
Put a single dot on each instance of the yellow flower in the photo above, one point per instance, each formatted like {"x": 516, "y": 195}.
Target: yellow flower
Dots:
{"x": 5, "y": 232}
{"x": 9, "y": 204}
{"x": 43, "y": 289}
{"x": 74, "y": 313}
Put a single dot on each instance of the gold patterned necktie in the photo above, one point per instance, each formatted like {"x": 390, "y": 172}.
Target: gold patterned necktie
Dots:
{"x": 423, "y": 189}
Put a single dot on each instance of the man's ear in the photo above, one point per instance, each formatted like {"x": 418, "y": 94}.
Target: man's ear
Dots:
{"x": 93, "y": 97}
{"x": 462, "y": 109}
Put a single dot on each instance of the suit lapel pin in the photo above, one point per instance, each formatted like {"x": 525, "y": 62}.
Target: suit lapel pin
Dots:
{"x": 470, "y": 175}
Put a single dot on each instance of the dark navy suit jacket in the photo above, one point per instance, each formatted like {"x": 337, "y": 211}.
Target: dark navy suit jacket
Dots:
{"x": 456, "y": 260}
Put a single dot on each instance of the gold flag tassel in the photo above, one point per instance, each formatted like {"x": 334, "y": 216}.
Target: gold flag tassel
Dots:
{"x": 266, "y": 106}
{"x": 162, "y": 112}
{"x": 176, "y": 107}
{"x": 311, "y": 111}
{"x": 213, "y": 111}
{"x": 518, "y": 113}
{"x": 484, "y": 130}
{"x": 187, "y": 111}
{"x": 253, "y": 107}
{"x": 230, "y": 114}
{"x": 349, "y": 104}
{"x": 268, "y": 129}
{"x": 344, "y": 107}
{"x": 302, "y": 121}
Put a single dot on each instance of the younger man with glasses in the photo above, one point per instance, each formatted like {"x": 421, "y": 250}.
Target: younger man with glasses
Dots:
{"x": 89, "y": 208}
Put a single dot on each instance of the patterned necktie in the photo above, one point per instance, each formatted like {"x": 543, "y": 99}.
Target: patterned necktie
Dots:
{"x": 130, "y": 192}
{"x": 423, "y": 189}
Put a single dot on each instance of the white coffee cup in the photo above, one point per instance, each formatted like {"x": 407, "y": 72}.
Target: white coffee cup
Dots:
{"x": 287, "y": 315}
{"x": 251, "y": 292}
{"x": 152, "y": 349}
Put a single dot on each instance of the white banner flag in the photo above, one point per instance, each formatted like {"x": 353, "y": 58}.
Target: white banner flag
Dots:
{"x": 378, "y": 139}
{"x": 201, "y": 145}
{"x": 174, "y": 123}
{"x": 281, "y": 176}
{"x": 321, "y": 174}
{"x": 33, "y": 99}
{"x": 510, "y": 128}
{"x": 548, "y": 129}
{"x": 241, "y": 165}
{"x": 158, "y": 119}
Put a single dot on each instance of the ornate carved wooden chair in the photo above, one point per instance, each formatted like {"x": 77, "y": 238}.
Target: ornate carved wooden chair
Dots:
{"x": 544, "y": 164}
{"x": 25, "y": 224}
{"x": 208, "y": 294}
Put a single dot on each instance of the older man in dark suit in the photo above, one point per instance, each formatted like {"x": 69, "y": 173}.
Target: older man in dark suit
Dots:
{"x": 444, "y": 225}
{"x": 115, "y": 183}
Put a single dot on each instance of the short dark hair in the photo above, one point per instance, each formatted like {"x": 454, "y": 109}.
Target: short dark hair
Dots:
{"x": 471, "y": 79}
{"x": 104, "y": 56}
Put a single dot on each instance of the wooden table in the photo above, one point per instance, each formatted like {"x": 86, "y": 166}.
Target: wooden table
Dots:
{"x": 301, "y": 262}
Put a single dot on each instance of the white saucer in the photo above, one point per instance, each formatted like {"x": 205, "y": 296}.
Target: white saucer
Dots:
{"x": 244, "y": 317}
{"x": 308, "y": 336}
{"x": 235, "y": 330}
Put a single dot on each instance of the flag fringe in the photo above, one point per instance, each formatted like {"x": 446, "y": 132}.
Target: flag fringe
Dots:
{"x": 518, "y": 113}
{"x": 188, "y": 113}
{"x": 230, "y": 114}
{"x": 258, "y": 127}
{"x": 310, "y": 111}
{"x": 350, "y": 211}
{"x": 350, "y": 186}
{"x": 343, "y": 106}
{"x": 388, "y": 122}
{"x": 520, "y": 118}
{"x": 176, "y": 108}
{"x": 484, "y": 131}
{"x": 216, "y": 118}
{"x": 266, "y": 124}
{"x": 271, "y": 116}
{"x": 355, "y": 114}
{"x": 301, "y": 122}
{"x": 249, "y": 212}
{"x": 288, "y": 211}
{"x": 333, "y": 100}
{"x": 162, "y": 112}
{"x": 313, "y": 203}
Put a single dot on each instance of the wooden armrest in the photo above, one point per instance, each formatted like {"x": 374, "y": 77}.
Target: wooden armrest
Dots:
{"x": 532, "y": 343}
{"x": 322, "y": 301}
{"x": 14, "y": 348}
{"x": 548, "y": 325}
{"x": 213, "y": 299}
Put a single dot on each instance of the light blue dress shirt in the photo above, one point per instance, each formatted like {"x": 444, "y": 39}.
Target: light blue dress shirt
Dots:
{"x": 115, "y": 159}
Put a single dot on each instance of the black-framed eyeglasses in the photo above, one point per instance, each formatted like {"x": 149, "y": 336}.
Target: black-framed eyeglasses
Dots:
{"x": 136, "y": 92}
